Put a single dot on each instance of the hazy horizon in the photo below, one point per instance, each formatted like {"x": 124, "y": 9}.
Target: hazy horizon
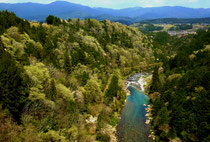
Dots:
{"x": 121, "y": 4}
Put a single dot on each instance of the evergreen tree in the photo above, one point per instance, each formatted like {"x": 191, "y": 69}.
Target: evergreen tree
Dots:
{"x": 52, "y": 92}
{"x": 163, "y": 116}
{"x": 67, "y": 63}
{"x": 78, "y": 56}
{"x": 13, "y": 88}
{"x": 112, "y": 89}
{"x": 156, "y": 84}
{"x": 52, "y": 20}
{"x": 84, "y": 78}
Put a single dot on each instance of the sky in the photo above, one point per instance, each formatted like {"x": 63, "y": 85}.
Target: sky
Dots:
{"x": 119, "y": 4}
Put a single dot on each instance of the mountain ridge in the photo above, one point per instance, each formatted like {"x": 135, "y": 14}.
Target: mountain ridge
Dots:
{"x": 66, "y": 10}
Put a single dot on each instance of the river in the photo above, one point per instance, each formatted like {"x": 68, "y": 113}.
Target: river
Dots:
{"x": 132, "y": 127}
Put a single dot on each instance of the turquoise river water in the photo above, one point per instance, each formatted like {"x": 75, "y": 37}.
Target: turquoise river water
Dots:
{"x": 132, "y": 127}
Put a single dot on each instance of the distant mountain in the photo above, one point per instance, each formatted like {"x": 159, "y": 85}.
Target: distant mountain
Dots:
{"x": 66, "y": 10}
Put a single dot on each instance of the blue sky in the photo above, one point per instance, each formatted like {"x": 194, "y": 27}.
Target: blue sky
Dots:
{"x": 118, "y": 4}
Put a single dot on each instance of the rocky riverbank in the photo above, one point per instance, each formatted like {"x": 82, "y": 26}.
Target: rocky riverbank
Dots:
{"x": 141, "y": 82}
{"x": 132, "y": 126}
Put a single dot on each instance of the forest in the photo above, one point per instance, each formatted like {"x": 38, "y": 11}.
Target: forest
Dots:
{"x": 177, "y": 21}
{"x": 64, "y": 80}
{"x": 180, "y": 87}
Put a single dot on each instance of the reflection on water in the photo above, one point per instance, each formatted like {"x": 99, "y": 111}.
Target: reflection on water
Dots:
{"x": 132, "y": 127}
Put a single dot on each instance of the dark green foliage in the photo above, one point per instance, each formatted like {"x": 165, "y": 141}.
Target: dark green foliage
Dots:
{"x": 112, "y": 90}
{"x": 113, "y": 121}
{"x": 40, "y": 34}
{"x": 72, "y": 109}
{"x": 65, "y": 58}
{"x": 84, "y": 78}
{"x": 52, "y": 91}
{"x": 32, "y": 50}
{"x": 181, "y": 27}
{"x": 49, "y": 51}
{"x": 103, "y": 137}
{"x": 177, "y": 21}
{"x": 149, "y": 28}
{"x": 187, "y": 97}
{"x": 52, "y": 20}
{"x": 156, "y": 84}
{"x": 50, "y": 124}
{"x": 24, "y": 60}
{"x": 162, "y": 38}
{"x": 67, "y": 63}
{"x": 100, "y": 122}
{"x": 163, "y": 116}
{"x": 9, "y": 19}
{"x": 13, "y": 88}
{"x": 78, "y": 56}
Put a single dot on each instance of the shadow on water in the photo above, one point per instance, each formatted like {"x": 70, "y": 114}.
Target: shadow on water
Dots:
{"x": 132, "y": 127}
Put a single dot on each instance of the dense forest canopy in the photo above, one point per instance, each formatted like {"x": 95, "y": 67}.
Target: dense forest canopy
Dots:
{"x": 180, "y": 87}
{"x": 63, "y": 80}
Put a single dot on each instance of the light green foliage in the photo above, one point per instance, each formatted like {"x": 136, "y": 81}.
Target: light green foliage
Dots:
{"x": 92, "y": 93}
{"x": 14, "y": 47}
{"x": 33, "y": 48}
{"x": 15, "y": 42}
{"x": 68, "y": 65}
{"x": 72, "y": 133}
{"x": 174, "y": 76}
{"x": 64, "y": 92}
{"x": 92, "y": 43}
{"x": 53, "y": 136}
{"x": 38, "y": 74}
{"x": 13, "y": 33}
{"x": 35, "y": 93}
{"x": 207, "y": 48}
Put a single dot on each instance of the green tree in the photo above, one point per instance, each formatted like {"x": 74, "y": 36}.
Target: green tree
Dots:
{"x": 112, "y": 89}
{"x": 52, "y": 20}
{"x": 52, "y": 92}
{"x": 84, "y": 77}
{"x": 13, "y": 88}
{"x": 78, "y": 56}
{"x": 163, "y": 116}
{"x": 67, "y": 63}
{"x": 72, "y": 109}
{"x": 156, "y": 84}
{"x": 92, "y": 92}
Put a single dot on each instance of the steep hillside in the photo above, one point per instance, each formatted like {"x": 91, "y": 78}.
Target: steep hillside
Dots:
{"x": 180, "y": 88}
{"x": 63, "y": 81}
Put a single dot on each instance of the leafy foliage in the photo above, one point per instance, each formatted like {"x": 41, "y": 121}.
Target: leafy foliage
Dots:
{"x": 52, "y": 20}
{"x": 111, "y": 92}
{"x": 13, "y": 86}
{"x": 54, "y": 76}
{"x": 181, "y": 110}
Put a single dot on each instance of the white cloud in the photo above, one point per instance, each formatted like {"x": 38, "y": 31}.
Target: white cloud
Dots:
{"x": 4, "y": 1}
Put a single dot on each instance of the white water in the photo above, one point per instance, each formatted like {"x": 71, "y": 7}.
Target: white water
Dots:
{"x": 140, "y": 83}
